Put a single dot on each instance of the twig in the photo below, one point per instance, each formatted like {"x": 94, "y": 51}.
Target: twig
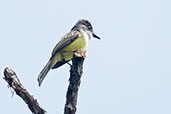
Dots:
{"x": 75, "y": 80}
{"x": 13, "y": 81}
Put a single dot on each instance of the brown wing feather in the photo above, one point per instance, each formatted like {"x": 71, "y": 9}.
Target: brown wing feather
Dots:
{"x": 65, "y": 41}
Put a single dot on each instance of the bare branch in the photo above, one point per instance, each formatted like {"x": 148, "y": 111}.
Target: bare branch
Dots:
{"x": 13, "y": 81}
{"x": 75, "y": 80}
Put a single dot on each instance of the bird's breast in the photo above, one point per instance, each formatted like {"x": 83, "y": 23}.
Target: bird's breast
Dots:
{"x": 80, "y": 43}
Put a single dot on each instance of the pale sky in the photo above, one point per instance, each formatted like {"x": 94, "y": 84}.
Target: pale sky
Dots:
{"x": 127, "y": 72}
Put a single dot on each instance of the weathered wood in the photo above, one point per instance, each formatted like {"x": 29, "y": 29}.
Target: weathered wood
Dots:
{"x": 13, "y": 81}
{"x": 74, "y": 82}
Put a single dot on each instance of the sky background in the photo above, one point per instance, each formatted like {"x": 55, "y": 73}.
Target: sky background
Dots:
{"x": 128, "y": 71}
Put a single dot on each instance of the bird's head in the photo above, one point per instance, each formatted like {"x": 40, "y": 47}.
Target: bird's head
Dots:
{"x": 86, "y": 26}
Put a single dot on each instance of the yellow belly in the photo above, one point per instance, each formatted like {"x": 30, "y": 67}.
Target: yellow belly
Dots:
{"x": 66, "y": 53}
{"x": 79, "y": 43}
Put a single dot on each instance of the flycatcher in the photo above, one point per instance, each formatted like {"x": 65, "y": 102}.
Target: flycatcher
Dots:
{"x": 77, "y": 38}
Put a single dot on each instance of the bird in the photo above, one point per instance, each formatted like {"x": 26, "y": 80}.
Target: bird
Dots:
{"x": 77, "y": 39}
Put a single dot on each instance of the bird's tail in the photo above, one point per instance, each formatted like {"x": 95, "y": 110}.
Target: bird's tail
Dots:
{"x": 43, "y": 73}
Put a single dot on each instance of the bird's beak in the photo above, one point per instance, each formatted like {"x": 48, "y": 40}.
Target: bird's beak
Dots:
{"x": 95, "y": 36}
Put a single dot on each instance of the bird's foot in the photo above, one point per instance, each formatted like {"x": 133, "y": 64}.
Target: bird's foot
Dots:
{"x": 69, "y": 64}
{"x": 80, "y": 53}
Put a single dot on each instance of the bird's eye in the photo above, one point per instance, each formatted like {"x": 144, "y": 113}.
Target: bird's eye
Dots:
{"x": 89, "y": 27}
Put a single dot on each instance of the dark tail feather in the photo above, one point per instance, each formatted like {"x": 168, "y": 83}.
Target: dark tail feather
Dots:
{"x": 43, "y": 73}
{"x": 58, "y": 64}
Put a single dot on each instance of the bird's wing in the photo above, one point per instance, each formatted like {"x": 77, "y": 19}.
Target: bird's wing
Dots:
{"x": 65, "y": 41}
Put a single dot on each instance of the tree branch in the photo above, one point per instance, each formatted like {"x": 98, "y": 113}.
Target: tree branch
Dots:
{"x": 71, "y": 98}
{"x": 75, "y": 80}
{"x": 13, "y": 81}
